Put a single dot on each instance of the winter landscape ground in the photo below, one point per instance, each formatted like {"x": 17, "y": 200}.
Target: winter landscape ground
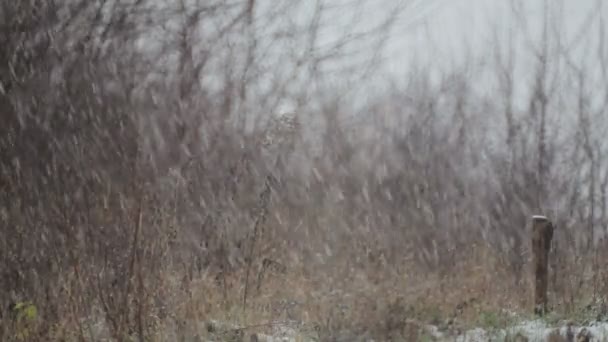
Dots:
{"x": 256, "y": 170}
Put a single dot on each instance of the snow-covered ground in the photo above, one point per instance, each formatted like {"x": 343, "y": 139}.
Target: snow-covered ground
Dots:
{"x": 529, "y": 331}
{"x": 539, "y": 331}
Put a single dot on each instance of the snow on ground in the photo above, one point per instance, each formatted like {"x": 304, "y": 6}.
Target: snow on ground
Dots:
{"x": 529, "y": 331}
{"x": 536, "y": 330}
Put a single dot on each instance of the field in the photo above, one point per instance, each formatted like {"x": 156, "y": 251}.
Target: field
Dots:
{"x": 214, "y": 171}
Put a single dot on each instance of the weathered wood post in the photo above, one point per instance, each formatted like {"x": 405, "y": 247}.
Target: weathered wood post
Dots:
{"x": 542, "y": 233}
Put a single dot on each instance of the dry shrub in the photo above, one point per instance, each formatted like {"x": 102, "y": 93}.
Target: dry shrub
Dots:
{"x": 138, "y": 200}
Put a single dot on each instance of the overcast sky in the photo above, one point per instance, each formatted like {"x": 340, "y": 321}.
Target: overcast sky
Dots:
{"x": 446, "y": 28}
{"x": 446, "y": 33}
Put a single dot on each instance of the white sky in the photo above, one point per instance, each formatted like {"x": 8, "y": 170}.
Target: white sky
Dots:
{"x": 448, "y": 27}
{"x": 444, "y": 33}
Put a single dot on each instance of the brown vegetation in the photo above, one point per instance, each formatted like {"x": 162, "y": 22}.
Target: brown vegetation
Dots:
{"x": 140, "y": 196}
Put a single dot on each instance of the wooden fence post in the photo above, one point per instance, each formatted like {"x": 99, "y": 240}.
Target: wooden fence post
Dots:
{"x": 542, "y": 233}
